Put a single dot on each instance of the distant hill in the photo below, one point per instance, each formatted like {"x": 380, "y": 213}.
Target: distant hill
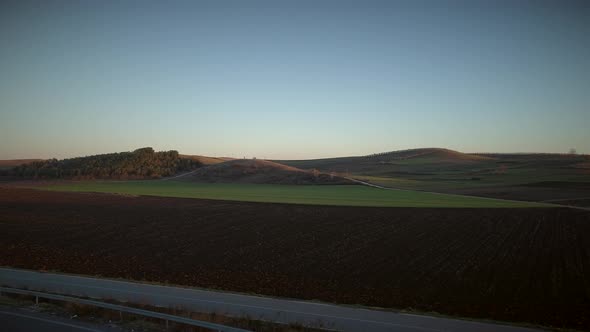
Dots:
{"x": 431, "y": 158}
{"x": 262, "y": 172}
{"x": 436, "y": 155}
{"x": 430, "y": 161}
{"x": 142, "y": 163}
{"x": 426, "y": 165}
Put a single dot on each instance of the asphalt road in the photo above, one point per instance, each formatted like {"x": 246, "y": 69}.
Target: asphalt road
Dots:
{"x": 22, "y": 320}
{"x": 341, "y": 318}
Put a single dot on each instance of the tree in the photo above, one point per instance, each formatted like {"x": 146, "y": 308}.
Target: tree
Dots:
{"x": 141, "y": 163}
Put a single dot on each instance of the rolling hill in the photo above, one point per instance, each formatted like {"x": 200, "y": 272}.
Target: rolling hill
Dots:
{"x": 412, "y": 160}
{"x": 435, "y": 155}
{"x": 433, "y": 160}
{"x": 497, "y": 175}
{"x": 260, "y": 172}
{"x": 204, "y": 160}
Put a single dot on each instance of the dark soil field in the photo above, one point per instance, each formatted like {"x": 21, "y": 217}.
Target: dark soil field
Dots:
{"x": 569, "y": 196}
{"x": 524, "y": 265}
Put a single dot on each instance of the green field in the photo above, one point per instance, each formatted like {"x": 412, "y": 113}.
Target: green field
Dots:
{"x": 350, "y": 195}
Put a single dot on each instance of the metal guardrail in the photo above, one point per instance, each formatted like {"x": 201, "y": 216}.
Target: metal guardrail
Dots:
{"x": 121, "y": 308}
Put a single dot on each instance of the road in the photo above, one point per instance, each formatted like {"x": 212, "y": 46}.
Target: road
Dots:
{"x": 343, "y": 318}
{"x": 23, "y": 320}
{"x": 179, "y": 175}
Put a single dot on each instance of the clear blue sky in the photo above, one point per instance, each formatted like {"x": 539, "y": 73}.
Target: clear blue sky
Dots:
{"x": 293, "y": 79}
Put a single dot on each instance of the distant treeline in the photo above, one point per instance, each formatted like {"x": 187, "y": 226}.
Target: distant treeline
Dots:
{"x": 140, "y": 164}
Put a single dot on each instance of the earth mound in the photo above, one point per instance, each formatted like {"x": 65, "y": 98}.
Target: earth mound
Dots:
{"x": 261, "y": 172}
{"x": 204, "y": 160}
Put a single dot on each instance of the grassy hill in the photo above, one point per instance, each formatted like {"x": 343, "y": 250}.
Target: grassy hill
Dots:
{"x": 260, "y": 172}
{"x": 427, "y": 159}
{"x": 437, "y": 162}
{"x": 491, "y": 174}
{"x": 437, "y": 155}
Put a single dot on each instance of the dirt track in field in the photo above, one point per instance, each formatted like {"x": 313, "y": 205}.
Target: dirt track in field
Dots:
{"x": 530, "y": 265}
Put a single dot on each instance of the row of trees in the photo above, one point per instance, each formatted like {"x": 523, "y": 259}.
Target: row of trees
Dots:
{"x": 139, "y": 164}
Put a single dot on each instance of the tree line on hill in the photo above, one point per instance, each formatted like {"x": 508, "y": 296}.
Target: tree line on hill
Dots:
{"x": 142, "y": 163}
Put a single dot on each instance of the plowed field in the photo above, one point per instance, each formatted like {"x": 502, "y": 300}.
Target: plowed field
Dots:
{"x": 526, "y": 265}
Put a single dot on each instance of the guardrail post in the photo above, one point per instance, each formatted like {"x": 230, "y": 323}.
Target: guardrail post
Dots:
{"x": 166, "y": 325}
{"x": 36, "y": 300}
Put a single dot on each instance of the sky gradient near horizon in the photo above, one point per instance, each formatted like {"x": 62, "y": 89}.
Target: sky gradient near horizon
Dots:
{"x": 293, "y": 79}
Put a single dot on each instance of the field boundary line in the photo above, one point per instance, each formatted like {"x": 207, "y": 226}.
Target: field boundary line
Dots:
{"x": 566, "y": 199}
{"x": 458, "y": 195}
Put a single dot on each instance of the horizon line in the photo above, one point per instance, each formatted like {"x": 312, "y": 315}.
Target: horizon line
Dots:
{"x": 330, "y": 157}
